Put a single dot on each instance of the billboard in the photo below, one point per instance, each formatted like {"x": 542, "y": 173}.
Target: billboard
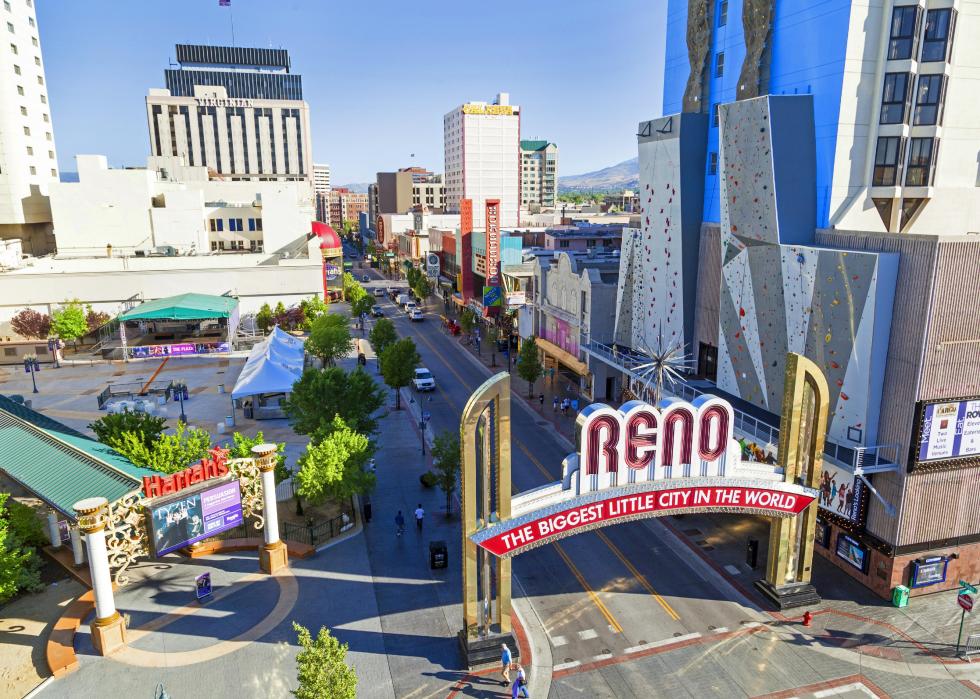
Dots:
{"x": 853, "y": 552}
{"x": 493, "y": 241}
{"x": 180, "y": 349}
{"x": 841, "y": 492}
{"x": 195, "y": 516}
{"x": 465, "y": 255}
{"x": 947, "y": 433}
{"x": 491, "y": 296}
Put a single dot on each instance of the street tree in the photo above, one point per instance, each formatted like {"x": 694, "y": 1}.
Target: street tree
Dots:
{"x": 68, "y": 321}
{"x": 529, "y": 365}
{"x": 319, "y": 395}
{"x": 467, "y": 320}
{"x": 19, "y": 567}
{"x": 263, "y": 318}
{"x": 330, "y": 337}
{"x": 31, "y": 324}
{"x": 312, "y": 308}
{"x": 422, "y": 287}
{"x": 382, "y": 335}
{"x": 333, "y": 466}
{"x": 170, "y": 452}
{"x": 446, "y": 459}
{"x": 322, "y": 668}
{"x": 361, "y": 306}
{"x": 241, "y": 448}
{"x": 398, "y": 363}
{"x": 95, "y": 319}
{"x": 147, "y": 428}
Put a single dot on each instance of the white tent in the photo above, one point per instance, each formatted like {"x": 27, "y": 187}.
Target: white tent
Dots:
{"x": 273, "y": 366}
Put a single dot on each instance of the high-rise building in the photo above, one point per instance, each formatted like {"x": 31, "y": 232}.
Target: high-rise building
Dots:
{"x": 238, "y": 111}
{"x": 483, "y": 158}
{"x": 409, "y": 188}
{"x": 28, "y": 161}
{"x": 321, "y": 191}
{"x": 813, "y": 189}
{"x": 539, "y": 174}
{"x": 346, "y": 205}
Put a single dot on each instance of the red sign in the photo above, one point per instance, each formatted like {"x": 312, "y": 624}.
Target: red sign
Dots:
{"x": 215, "y": 467}
{"x": 965, "y": 601}
{"x": 765, "y": 501}
{"x": 493, "y": 241}
{"x": 379, "y": 231}
{"x": 465, "y": 256}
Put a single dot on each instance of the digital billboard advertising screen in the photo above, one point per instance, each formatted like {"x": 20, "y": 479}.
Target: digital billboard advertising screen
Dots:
{"x": 947, "y": 433}
{"x": 196, "y": 516}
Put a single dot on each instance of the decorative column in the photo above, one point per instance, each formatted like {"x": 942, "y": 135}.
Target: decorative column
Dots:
{"x": 77, "y": 547}
{"x": 109, "y": 628}
{"x": 272, "y": 555}
{"x": 54, "y": 534}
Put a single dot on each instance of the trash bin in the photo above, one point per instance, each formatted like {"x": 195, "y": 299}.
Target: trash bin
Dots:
{"x": 900, "y": 596}
{"x": 438, "y": 554}
{"x": 752, "y": 554}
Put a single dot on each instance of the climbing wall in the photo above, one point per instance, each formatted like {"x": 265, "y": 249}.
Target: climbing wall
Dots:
{"x": 833, "y": 306}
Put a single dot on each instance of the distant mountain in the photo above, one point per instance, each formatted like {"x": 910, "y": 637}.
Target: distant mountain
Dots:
{"x": 356, "y": 187}
{"x": 625, "y": 175}
{"x": 68, "y": 176}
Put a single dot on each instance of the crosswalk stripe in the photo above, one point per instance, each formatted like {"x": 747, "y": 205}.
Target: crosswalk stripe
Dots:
{"x": 665, "y": 642}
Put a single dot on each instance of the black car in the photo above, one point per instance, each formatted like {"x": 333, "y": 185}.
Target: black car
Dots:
{"x": 377, "y": 311}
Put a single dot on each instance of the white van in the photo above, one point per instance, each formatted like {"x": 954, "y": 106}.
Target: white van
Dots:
{"x": 402, "y": 299}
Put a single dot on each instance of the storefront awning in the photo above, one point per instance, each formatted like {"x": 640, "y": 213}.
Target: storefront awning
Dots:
{"x": 566, "y": 358}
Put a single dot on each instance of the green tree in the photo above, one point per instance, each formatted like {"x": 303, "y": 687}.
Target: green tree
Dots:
{"x": 382, "y": 335}
{"x": 110, "y": 428}
{"x": 322, "y": 668}
{"x": 19, "y": 566}
{"x": 362, "y": 304}
{"x": 529, "y": 365}
{"x": 68, "y": 321}
{"x": 467, "y": 320}
{"x": 330, "y": 337}
{"x": 333, "y": 467}
{"x": 422, "y": 287}
{"x": 26, "y": 525}
{"x": 170, "y": 452}
{"x": 312, "y": 308}
{"x": 319, "y": 395}
{"x": 446, "y": 458}
{"x": 241, "y": 448}
{"x": 398, "y": 363}
{"x": 264, "y": 318}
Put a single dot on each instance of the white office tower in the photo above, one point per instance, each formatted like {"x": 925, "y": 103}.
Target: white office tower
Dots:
{"x": 321, "y": 178}
{"x": 483, "y": 158}
{"x": 28, "y": 162}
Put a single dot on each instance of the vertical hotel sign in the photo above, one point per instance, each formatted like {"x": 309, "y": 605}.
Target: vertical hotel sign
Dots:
{"x": 465, "y": 253}
{"x": 493, "y": 241}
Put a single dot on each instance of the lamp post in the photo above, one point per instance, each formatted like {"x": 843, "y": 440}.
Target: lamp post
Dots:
{"x": 179, "y": 388}
{"x": 31, "y": 367}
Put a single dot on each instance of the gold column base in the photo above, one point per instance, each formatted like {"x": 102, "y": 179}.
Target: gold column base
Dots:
{"x": 109, "y": 634}
{"x": 273, "y": 557}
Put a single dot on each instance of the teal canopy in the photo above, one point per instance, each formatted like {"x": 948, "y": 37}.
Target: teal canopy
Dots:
{"x": 184, "y": 307}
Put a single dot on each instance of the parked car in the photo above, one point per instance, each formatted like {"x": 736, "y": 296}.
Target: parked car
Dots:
{"x": 403, "y": 299}
{"x": 409, "y": 307}
{"x": 377, "y": 311}
{"x": 379, "y": 291}
{"x": 424, "y": 380}
{"x": 415, "y": 314}
{"x": 365, "y": 278}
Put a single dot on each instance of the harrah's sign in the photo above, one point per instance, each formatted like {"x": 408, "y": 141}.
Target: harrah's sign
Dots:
{"x": 205, "y": 469}
{"x": 641, "y": 461}
{"x": 493, "y": 241}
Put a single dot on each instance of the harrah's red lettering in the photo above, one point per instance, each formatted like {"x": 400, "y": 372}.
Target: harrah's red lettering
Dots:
{"x": 678, "y": 439}
{"x": 214, "y": 467}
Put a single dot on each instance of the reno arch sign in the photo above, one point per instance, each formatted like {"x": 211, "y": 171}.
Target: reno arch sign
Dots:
{"x": 642, "y": 461}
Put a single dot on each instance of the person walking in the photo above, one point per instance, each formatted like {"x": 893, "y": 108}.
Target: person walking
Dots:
{"x": 541, "y": 401}
{"x": 419, "y": 514}
{"x": 520, "y": 684}
{"x": 575, "y": 406}
{"x": 505, "y": 661}
{"x": 399, "y": 523}
{"x": 554, "y": 404}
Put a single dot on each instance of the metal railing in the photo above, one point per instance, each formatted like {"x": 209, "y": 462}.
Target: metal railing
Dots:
{"x": 316, "y": 532}
{"x": 861, "y": 460}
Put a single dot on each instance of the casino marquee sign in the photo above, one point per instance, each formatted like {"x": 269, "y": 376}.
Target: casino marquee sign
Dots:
{"x": 643, "y": 461}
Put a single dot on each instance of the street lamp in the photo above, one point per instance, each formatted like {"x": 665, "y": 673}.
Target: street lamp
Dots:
{"x": 32, "y": 367}
{"x": 179, "y": 389}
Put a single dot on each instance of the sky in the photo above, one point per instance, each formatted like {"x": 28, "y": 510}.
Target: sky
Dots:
{"x": 378, "y": 75}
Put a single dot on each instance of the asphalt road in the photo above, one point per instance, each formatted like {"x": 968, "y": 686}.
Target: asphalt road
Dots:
{"x": 602, "y": 594}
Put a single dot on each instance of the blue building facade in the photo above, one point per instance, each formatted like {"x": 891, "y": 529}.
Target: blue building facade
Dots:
{"x": 806, "y": 56}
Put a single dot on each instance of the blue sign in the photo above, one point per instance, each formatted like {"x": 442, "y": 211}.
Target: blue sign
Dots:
{"x": 492, "y": 296}
{"x": 203, "y": 585}
{"x": 928, "y": 571}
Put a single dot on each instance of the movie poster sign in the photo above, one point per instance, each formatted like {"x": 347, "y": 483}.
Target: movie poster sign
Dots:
{"x": 195, "y": 516}
{"x": 841, "y": 493}
{"x": 180, "y": 349}
{"x": 947, "y": 432}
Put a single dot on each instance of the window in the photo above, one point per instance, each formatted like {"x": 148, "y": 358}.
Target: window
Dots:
{"x": 905, "y": 27}
{"x": 251, "y": 224}
{"x": 33, "y": 170}
{"x": 47, "y": 135}
{"x": 895, "y": 98}
{"x": 16, "y": 70}
{"x": 214, "y": 244}
{"x": 929, "y": 100}
{"x": 27, "y": 130}
{"x": 720, "y": 64}
{"x": 712, "y": 163}
{"x": 30, "y": 21}
{"x": 235, "y": 224}
{"x": 45, "y": 117}
{"x": 34, "y": 40}
{"x": 13, "y": 49}
{"x": 563, "y": 243}
{"x": 939, "y": 31}
{"x": 239, "y": 244}
{"x": 54, "y": 173}
{"x": 258, "y": 224}
{"x": 9, "y": 351}
{"x": 886, "y": 161}
{"x": 30, "y": 151}
{"x": 23, "y": 111}
{"x": 20, "y": 90}
{"x": 722, "y": 13}
{"x": 714, "y": 114}
{"x": 44, "y": 99}
{"x": 10, "y": 27}
{"x": 30, "y": 3}
{"x": 51, "y": 154}
{"x": 919, "y": 171}
{"x": 220, "y": 222}
{"x": 37, "y": 60}
{"x": 40, "y": 80}
{"x": 6, "y": 5}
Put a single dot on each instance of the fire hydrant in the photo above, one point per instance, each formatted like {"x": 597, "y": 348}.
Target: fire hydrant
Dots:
{"x": 807, "y": 618}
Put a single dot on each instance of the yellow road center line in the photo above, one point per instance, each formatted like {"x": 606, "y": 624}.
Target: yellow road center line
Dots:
{"x": 638, "y": 575}
{"x": 588, "y": 588}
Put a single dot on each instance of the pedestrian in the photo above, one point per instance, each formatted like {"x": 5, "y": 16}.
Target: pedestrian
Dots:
{"x": 367, "y": 509}
{"x": 541, "y": 401}
{"x": 505, "y": 660}
{"x": 399, "y": 523}
{"x": 575, "y": 406}
{"x": 419, "y": 514}
{"x": 520, "y": 684}
{"x": 554, "y": 404}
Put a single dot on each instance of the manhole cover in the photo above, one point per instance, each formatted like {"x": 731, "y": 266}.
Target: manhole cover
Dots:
{"x": 712, "y": 628}
{"x": 677, "y": 633}
{"x": 642, "y": 642}
{"x": 606, "y": 651}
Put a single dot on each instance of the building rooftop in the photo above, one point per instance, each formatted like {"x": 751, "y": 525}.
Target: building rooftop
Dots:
{"x": 231, "y": 57}
{"x": 534, "y": 145}
{"x": 586, "y": 231}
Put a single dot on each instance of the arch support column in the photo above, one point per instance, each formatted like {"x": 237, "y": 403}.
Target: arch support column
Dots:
{"x": 272, "y": 555}
{"x": 109, "y": 628}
